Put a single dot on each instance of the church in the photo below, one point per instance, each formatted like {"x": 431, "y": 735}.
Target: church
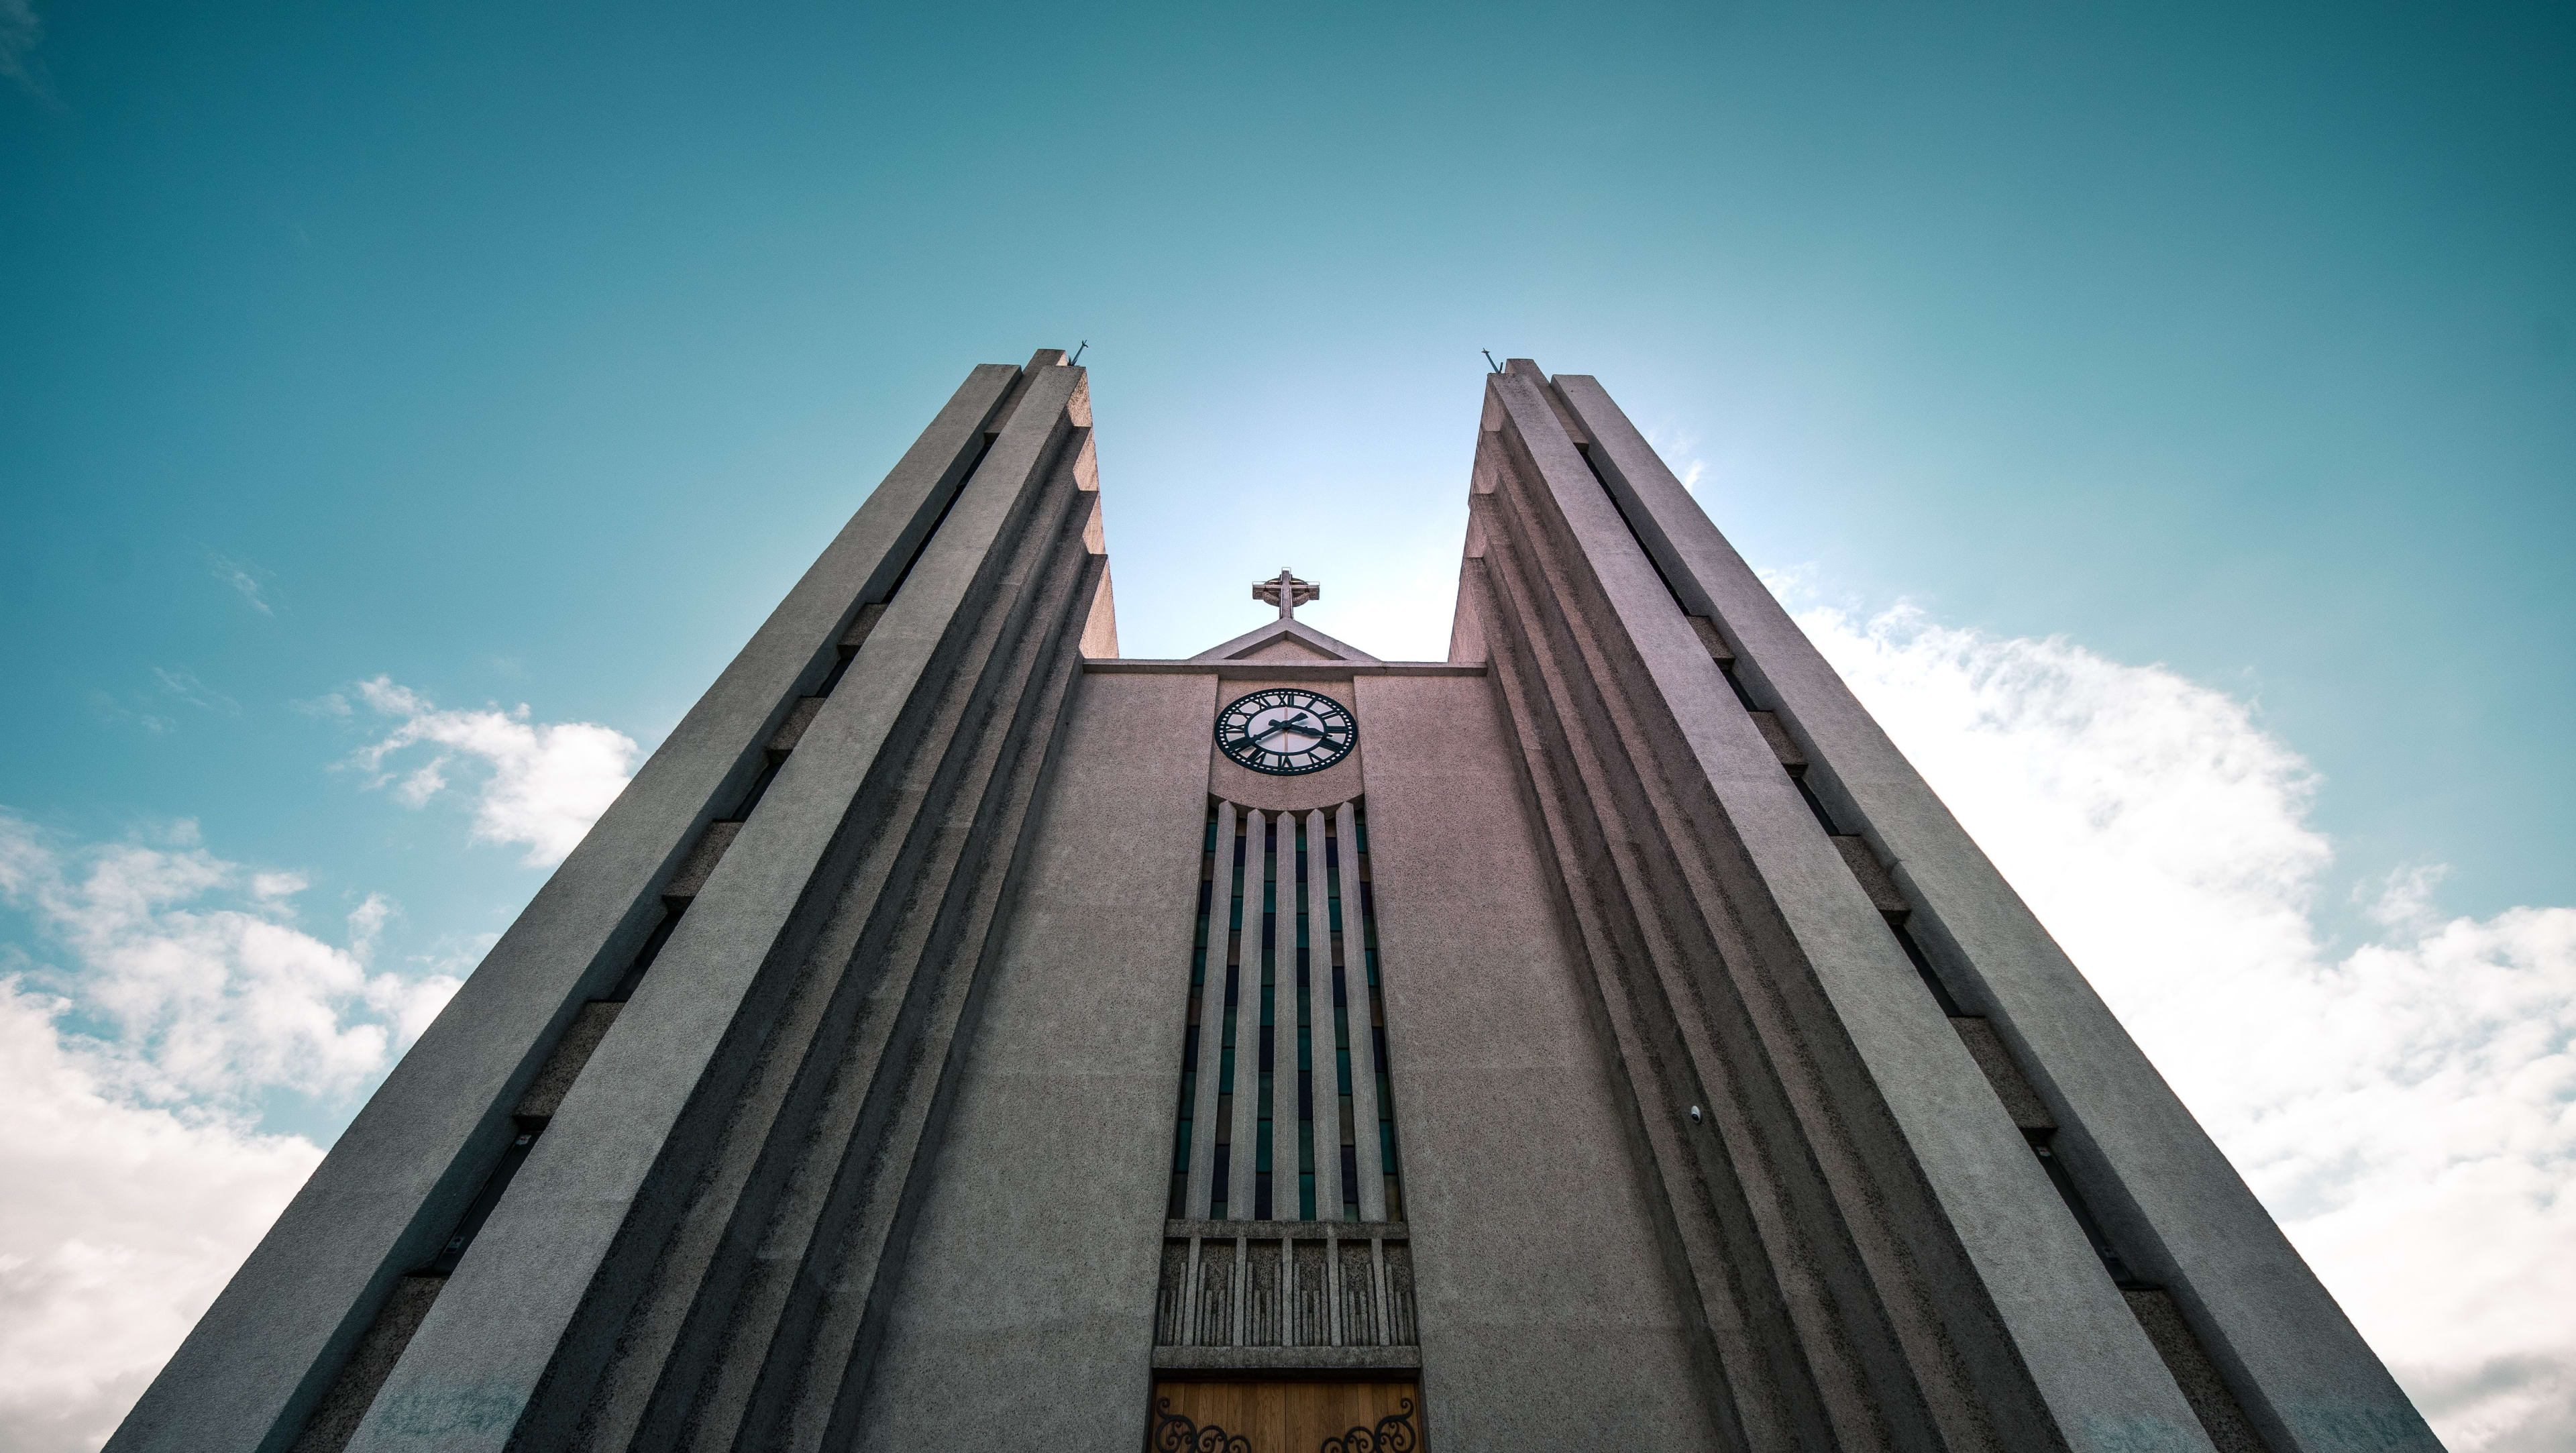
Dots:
{"x": 962, "y": 1036}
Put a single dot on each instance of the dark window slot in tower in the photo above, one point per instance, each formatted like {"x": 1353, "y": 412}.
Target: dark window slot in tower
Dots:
{"x": 1874, "y": 878}
{"x": 982, "y": 448}
{"x": 672, "y": 908}
{"x": 2121, "y": 1276}
{"x": 1777, "y": 735}
{"x": 759, "y": 787}
{"x": 2194, "y": 1371}
{"x": 545, "y": 1094}
{"x": 800, "y": 715}
{"x": 1923, "y": 965}
{"x": 1713, "y": 643}
{"x": 840, "y": 667}
{"x": 1727, "y": 670}
{"x": 714, "y": 841}
{"x": 1583, "y": 447}
{"x": 2020, "y": 1099}
{"x": 1815, "y": 804}
{"x": 523, "y": 1139}
{"x": 846, "y": 650}
{"x": 335, "y": 1419}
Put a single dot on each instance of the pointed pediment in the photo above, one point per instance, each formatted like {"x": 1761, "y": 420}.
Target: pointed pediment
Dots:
{"x": 1287, "y": 640}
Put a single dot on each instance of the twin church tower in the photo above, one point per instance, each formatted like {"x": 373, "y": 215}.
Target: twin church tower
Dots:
{"x": 961, "y": 1036}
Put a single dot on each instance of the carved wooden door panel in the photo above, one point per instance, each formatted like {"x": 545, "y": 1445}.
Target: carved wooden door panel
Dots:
{"x": 1285, "y": 1417}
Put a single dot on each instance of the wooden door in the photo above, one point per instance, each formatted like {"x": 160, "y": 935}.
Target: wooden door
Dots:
{"x": 1285, "y": 1417}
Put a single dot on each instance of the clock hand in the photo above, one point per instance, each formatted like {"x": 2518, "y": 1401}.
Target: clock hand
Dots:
{"x": 1283, "y": 726}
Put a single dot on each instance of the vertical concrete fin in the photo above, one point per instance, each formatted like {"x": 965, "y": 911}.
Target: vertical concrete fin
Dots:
{"x": 2178, "y": 1212}
{"x": 1922, "y": 1203}
{"x": 260, "y": 1359}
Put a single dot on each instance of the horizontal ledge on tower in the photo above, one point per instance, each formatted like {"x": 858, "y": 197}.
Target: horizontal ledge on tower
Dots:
{"x": 1288, "y": 1230}
{"x": 1284, "y": 1359}
{"x": 1280, "y": 670}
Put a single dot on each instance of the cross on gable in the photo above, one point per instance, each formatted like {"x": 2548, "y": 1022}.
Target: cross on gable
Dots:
{"x": 1286, "y": 592}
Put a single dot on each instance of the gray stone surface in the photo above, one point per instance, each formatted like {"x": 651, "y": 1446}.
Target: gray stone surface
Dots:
{"x": 1874, "y": 880}
{"x": 506, "y": 1323}
{"x": 580, "y": 1039}
{"x": 263, "y": 1354}
{"x": 2028, "y": 1110}
{"x": 1025, "y": 1318}
{"x": 1547, "y": 1317}
{"x": 328, "y": 1430}
{"x": 2168, "y": 1197}
{"x": 2195, "y": 1373}
{"x": 1924, "y": 1202}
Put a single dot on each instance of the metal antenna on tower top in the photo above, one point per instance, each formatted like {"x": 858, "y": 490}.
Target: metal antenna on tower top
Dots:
{"x": 1489, "y": 359}
{"x": 1077, "y": 353}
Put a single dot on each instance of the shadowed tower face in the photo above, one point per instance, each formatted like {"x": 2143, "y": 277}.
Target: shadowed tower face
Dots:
{"x": 961, "y": 1036}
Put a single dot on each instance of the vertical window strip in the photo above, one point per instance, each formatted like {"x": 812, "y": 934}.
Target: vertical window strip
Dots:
{"x": 1347, "y": 1148}
{"x": 1222, "y": 1175}
{"x": 1377, "y": 1019}
{"x": 1305, "y": 1042}
{"x": 1185, "y": 1122}
{"x": 1263, "y": 1108}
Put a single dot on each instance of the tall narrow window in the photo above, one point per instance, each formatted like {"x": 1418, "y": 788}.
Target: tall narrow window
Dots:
{"x": 1223, "y": 1174}
{"x": 1286, "y": 1110}
{"x": 1305, "y": 1044}
{"x": 1346, "y": 1111}
{"x": 1377, "y": 1027}
{"x": 1262, "y": 1116}
{"x": 1187, "y": 1120}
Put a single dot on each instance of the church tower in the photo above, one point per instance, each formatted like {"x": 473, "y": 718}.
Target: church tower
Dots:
{"x": 961, "y": 1036}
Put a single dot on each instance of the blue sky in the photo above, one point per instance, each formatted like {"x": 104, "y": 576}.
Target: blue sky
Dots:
{"x": 524, "y": 355}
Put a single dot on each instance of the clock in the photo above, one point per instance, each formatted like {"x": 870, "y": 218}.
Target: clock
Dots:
{"x": 1285, "y": 731}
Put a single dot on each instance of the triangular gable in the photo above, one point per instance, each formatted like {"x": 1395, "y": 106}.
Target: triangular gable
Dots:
{"x": 1286, "y": 640}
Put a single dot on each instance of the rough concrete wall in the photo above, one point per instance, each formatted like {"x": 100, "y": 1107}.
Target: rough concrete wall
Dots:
{"x": 407, "y": 1166}
{"x": 1548, "y": 1314}
{"x": 1026, "y": 1312}
{"x": 2174, "y": 1207}
{"x": 1876, "y": 1256}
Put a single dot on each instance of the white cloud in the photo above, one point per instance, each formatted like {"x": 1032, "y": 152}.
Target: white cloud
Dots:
{"x": 249, "y": 580}
{"x": 2408, "y": 1109}
{"x": 120, "y": 1225}
{"x": 547, "y": 782}
{"x": 199, "y": 1002}
{"x": 135, "y": 1184}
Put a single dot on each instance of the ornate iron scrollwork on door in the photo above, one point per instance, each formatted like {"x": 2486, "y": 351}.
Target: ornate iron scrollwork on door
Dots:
{"x": 1174, "y": 1433}
{"x": 1393, "y": 1434}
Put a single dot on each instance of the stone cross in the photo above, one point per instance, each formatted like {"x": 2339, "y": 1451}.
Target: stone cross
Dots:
{"x": 1287, "y": 592}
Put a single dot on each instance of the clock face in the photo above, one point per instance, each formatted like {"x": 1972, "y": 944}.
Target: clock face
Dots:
{"x": 1286, "y": 731}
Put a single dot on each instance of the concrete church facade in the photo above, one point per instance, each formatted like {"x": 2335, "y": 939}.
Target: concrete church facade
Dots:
{"x": 961, "y": 1036}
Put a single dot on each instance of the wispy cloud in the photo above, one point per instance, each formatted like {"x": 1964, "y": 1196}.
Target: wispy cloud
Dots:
{"x": 184, "y": 685}
{"x": 20, "y": 32}
{"x": 541, "y": 784}
{"x": 1682, "y": 445}
{"x": 249, "y": 580}
{"x": 2403, "y": 1108}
